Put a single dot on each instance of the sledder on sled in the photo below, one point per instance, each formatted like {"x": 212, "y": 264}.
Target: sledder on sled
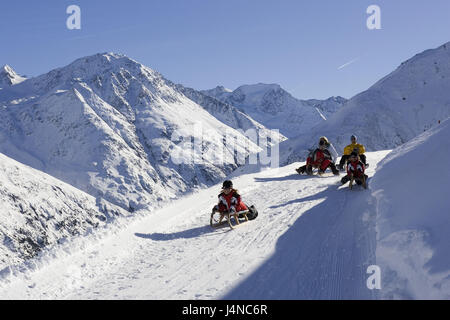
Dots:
{"x": 348, "y": 150}
{"x": 355, "y": 172}
{"x": 321, "y": 159}
{"x": 231, "y": 209}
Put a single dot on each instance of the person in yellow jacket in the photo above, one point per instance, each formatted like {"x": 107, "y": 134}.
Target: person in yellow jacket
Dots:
{"x": 353, "y": 147}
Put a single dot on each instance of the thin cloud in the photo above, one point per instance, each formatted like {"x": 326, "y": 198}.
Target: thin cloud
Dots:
{"x": 347, "y": 64}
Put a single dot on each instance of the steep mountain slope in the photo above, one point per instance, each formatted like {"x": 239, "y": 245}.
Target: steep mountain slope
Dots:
{"x": 413, "y": 223}
{"x": 118, "y": 131}
{"x": 37, "y": 211}
{"x": 327, "y": 107}
{"x": 275, "y": 108}
{"x": 396, "y": 109}
{"x": 229, "y": 114}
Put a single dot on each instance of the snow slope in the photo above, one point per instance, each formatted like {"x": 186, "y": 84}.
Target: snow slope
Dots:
{"x": 413, "y": 222}
{"x": 38, "y": 211}
{"x": 112, "y": 127}
{"x": 313, "y": 240}
{"x": 275, "y": 108}
{"x": 396, "y": 109}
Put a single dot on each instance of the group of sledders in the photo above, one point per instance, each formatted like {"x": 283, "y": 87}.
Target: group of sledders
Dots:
{"x": 353, "y": 161}
{"x": 231, "y": 208}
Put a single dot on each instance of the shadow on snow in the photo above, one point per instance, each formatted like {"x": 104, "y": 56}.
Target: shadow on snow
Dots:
{"x": 185, "y": 234}
{"x": 323, "y": 255}
{"x": 295, "y": 176}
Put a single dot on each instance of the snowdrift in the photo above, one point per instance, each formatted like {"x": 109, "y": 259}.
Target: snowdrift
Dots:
{"x": 411, "y": 188}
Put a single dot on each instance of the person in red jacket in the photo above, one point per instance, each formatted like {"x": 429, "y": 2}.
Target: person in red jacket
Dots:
{"x": 355, "y": 170}
{"x": 320, "y": 158}
{"x": 229, "y": 202}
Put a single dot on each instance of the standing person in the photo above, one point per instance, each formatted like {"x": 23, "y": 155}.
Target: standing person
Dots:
{"x": 353, "y": 147}
{"x": 355, "y": 171}
{"x": 320, "y": 158}
{"x": 229, "y": 202}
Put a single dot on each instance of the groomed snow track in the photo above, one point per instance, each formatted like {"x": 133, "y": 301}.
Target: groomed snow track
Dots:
{"x": 312, "y": 240}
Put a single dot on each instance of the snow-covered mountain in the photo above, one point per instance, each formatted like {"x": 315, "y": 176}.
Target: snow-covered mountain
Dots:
{"x": 220, "y": 92}
{"x": 113, "y": 128}
{"x": 275, "y": 108}
{"x": 37, "y": 211}
{"x": 327, "y": 107}
{"x": 407, "y": 102}
{"x": 9, "y": 77}
{"x": 229, "y": 114}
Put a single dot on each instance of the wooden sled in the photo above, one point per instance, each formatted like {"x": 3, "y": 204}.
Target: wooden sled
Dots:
{"x": 364, "y": 182}
{"x": 218, "y": 219}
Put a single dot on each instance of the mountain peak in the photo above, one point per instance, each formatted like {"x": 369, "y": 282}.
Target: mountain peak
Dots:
{"x": 106, "y": 59}
{"x": 6, "y": 68}
{"x": 222, "y": 89}
{"x": 9, "y": 77}
{"x": 99, "y": 70}
{"x": 259, "y": 87}
{"x": 219, "y": 90}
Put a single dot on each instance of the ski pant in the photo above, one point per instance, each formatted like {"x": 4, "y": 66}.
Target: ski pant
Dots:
{"x": 321, "y": 165}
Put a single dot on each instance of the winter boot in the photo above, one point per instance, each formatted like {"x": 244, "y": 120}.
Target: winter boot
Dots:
{"x": 345, "y": 179}
{"x": 334, "y": 169}
{"x": 301, "y": 170}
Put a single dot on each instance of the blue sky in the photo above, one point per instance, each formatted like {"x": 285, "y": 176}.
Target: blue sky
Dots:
{"x": 314, "y": 49}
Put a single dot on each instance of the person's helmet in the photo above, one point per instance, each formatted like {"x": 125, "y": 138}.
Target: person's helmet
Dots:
{"x": 353, "y": 137}
{"x": 354, "y": 154}
{"x": 227, "y": 184}
{"x": 324, "y": 139}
